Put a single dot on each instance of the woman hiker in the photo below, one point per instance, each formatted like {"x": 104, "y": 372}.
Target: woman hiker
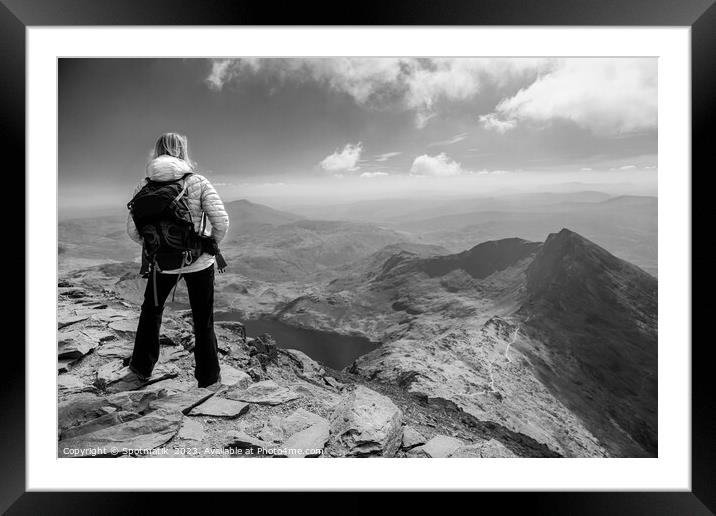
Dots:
{"x": 169, "y": 171}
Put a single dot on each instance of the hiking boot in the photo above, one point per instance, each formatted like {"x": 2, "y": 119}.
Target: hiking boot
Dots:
{"x": 214, "y": 387}
{"x": 132, "y": 375}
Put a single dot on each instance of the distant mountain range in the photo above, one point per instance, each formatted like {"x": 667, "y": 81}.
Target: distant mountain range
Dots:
{"x": 553, "y": 340}
{"x": 549, "y": 338}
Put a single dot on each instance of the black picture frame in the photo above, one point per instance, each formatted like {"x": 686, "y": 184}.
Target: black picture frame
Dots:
{"x": 700, "y": 15}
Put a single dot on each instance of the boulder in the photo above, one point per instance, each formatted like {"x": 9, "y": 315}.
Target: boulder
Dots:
{"x": 266, "y": 392}
{"x": 440, "y": 446}
{"x": 411, "y": 438}
{"x": 144, "y": 433}
{"x": 230, "y": 376}
{"x": 220, "y": 407}
{"x": 366, "y": 423}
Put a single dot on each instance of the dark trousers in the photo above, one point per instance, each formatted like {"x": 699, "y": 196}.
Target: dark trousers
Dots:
{"x": 201, "y": 297}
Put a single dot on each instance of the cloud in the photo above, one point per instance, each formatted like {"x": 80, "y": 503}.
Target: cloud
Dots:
{"x": 417, "y": 85}
{"x": 492, "y": 122}
{"x": 455, "y": 139}
{"x": 345, "y": 160}
{"x": 386, "y": 156}
{"x": 373, "y": 174}
{"x": 437, "y": 166}
{"x": 606, "y": 96}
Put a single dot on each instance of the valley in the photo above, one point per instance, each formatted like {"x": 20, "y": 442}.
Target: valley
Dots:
{"x": 487, "y": 308}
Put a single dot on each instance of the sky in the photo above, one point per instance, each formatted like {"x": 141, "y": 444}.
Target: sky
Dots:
{"x": 305, "y": 131}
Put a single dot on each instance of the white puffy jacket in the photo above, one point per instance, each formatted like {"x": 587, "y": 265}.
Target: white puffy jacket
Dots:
{"x": 200, "y": 195}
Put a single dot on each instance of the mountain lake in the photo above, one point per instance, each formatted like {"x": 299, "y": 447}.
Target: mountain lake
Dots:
{"x": 329, "y": 349}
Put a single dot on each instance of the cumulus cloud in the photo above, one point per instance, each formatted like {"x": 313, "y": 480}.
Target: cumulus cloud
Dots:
{"x": 413, "y": 84}
{"x": 371, "y": 175}
{"x": 450, "y": 141}
{"x": 386, "y": 156}
{"x": 607, "y": 96}
{"x": 491, "y": 121}
{"x": 437, "y": 166}
{"x": 345, "y": 160}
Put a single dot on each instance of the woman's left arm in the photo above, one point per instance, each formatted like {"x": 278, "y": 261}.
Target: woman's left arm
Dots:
{"x": 215, "y": 211}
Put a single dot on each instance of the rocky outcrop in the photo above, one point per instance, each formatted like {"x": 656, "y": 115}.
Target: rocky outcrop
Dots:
{"x": 366, "y": 423}
{"x": 143, "y": 433}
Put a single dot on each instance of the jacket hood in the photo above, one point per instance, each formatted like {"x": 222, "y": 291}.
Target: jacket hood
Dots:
{"x": 167, "y": 168}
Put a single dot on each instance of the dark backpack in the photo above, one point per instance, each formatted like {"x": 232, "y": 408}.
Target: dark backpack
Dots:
{"x": 162, "y": 216}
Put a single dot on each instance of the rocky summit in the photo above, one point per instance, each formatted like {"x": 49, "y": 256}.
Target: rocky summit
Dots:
{"x": 272, "y": 403}
{"x": 512, "y": 348}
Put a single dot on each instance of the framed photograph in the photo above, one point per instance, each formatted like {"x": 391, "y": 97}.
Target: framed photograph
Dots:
{"x": 454, "y": 239}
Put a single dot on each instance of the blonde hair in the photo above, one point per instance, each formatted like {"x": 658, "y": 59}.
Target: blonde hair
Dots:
{"x": 172, "y": 144}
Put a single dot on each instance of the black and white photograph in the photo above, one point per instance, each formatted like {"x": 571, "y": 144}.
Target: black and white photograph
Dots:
{"x": 329, "y": 257}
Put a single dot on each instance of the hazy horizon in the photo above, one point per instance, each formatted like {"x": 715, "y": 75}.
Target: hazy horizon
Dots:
{"x": 337, "y": 130}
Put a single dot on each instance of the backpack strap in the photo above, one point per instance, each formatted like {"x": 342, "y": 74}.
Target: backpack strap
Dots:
{"x": 183, "y": 190}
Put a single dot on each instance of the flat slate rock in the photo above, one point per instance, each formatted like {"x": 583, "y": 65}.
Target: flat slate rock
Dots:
{"x": 411, "y": 438}
{"x": 144, "y": 433}
{"x": 171, "y": 385}
{"x": 220, "y": 407}
{"x": 191, "y": 430}
{"x": 65, "y": 364}
{"x": 109, "y": 315}
{"x": 80, "y": 409}
{"x": 117, "y": 348}
{"x": 485, "y": 450}
{"x": 308, "y": 442}
{"x": 111, "y": 372}
{"x": 68, "y": 383}
{"x": 63, "y": 322}
{"x": 161, "y": 372}
{"x": 135, "y": 401}
{"x": 266, "y": 392}
{"x": 440, "y": 446}
{"x": 243, "y": 441}
{"x": 107, "y": 420}
{"x": 182, "y": 401}
{"x": 125, "y": 325}
{"x": 171, "y": 353}
{"x": 76, "y": 344}
{"x": 299, "y": 420}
